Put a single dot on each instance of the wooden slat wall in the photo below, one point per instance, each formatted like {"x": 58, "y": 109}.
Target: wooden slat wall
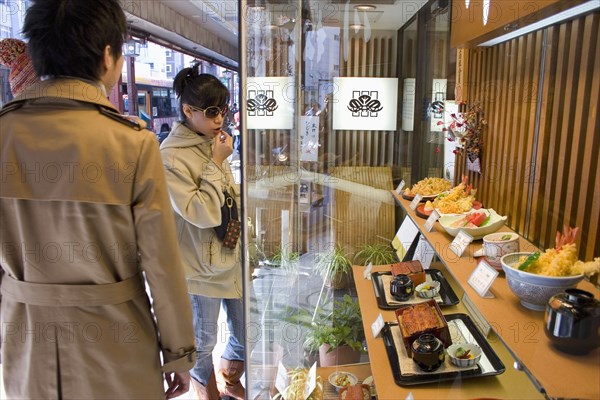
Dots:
{"x": 540, "y": 156}
{"x": 359, "y": 220}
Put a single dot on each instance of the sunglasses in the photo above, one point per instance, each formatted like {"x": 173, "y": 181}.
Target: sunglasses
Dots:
{"x": 212, "y": 111}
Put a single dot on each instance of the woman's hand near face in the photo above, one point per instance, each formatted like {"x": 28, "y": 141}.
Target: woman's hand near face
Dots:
{"x": 223, "y": 148}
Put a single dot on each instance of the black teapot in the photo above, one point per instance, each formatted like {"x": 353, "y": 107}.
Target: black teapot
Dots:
{"x": 401, "y": 287}
{"x": 572, "y": 321}
{"x": 428, "y": 352}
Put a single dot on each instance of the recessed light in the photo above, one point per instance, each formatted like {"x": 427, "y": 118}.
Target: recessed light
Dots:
{"x": 365, "y": 7}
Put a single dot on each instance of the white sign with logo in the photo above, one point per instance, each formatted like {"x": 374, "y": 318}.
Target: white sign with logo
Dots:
{"x": 270, "y": 102}
{"x": 365, "y": 104}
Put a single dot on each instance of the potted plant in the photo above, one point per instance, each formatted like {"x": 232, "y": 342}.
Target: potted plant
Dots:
{"x": 339, "y": 335}
{"x": 285, "y": 259}
{"x": 335, "y": 267}
{"x": 376, "y": 254}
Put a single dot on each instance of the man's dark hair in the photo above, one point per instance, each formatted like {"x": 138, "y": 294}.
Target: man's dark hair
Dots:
{"x": 68, "y": 37}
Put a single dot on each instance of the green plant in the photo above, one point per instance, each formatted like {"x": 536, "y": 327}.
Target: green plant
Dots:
{"x": 376, "y": 254}
{"x": 334, "y": 264}
{"x": 285, "y": 258}
{"x": 343, "y": 326}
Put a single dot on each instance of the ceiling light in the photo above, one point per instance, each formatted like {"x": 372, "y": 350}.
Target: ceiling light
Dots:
{"x": 356, "y": 26}
{"x": 365, "y": 7}
{"x": 554, "y": 19}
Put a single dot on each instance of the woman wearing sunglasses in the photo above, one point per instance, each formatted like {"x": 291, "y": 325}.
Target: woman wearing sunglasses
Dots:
{"x": 198, "y": 174}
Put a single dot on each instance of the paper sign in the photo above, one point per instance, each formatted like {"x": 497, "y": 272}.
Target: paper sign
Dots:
{"x": 367, "y": 273}
{"x": 424, "y": 253}
{"x": 413, "y": 204}
{"x": 377, "y": 326}
{"x": 400, "y": 187}
{"x": 482, "y": 278}
{"x": 460, "y": 242}
{"x": 309, "y": 138}
{"x": 433, "y": 217}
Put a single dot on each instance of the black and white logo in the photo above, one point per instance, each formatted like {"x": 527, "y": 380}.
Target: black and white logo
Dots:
{"x": 261, "y": 103}
{"x": 365, "y": 104}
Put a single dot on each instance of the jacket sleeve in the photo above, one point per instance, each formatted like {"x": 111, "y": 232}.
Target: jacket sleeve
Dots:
{"x": 160, "y": 260}
{"x": 197, "y": 200}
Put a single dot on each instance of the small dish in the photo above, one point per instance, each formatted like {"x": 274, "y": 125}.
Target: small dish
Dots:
{"x": 341, "y": 379}
{"x": 474, "y": 354}
{"x": 428, "y": 290}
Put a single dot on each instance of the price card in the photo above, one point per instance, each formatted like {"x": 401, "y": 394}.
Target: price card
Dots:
{"x": 400, "y": 186}
{"x": 482, "y": 278}
{"x": 424, "y": 252}
{"x": 377, "y": 326}
{"x": 404, "y": 237}
{"x": 433, "y": 217}
{"x": 311, "y": 381}
{"x": 415, "y": 202}
{"x": 367, "y": 273}
{"x": 460, "y": 242}
{"x": 281, "y": 380}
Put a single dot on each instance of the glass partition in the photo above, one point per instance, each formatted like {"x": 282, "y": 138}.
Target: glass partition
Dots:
{"x": 323, "y": 145}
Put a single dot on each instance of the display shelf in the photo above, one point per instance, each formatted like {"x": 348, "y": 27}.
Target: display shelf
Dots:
{"x": 558, "y": 374}
{"x": 512, "y": 384}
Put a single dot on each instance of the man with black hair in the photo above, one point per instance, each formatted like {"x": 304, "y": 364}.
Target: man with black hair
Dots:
{"x": 86, "y": 226}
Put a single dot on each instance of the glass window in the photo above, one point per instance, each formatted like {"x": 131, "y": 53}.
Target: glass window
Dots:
{"x": 323, "y": 146}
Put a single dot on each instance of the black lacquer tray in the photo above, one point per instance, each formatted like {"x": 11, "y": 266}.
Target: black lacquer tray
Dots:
{"x": 490, "y": 364}
{"x": 447, "y": 295}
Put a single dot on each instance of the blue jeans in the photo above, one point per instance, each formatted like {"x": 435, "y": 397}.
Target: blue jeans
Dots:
{"x": 205, "y": 312}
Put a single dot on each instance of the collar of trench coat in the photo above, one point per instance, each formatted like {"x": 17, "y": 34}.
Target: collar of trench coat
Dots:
{"x": 77, "y": 90}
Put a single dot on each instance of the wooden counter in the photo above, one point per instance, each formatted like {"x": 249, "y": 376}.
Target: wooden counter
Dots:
{"x": 521, "y": 330}
{"x": 512, "y": 384}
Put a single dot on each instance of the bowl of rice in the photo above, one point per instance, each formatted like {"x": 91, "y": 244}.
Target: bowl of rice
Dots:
{"x": 552, "y": 273}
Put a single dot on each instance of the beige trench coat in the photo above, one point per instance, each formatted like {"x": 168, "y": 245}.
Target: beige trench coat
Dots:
{"x": 84, "y": 218}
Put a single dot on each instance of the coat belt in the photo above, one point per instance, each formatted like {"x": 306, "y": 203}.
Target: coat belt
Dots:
{"x": 60, "y": 295}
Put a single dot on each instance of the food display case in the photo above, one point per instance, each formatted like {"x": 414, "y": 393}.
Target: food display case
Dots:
{"x": 534, "y": 368}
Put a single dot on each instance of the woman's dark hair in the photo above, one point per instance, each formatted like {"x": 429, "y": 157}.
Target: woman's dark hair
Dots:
{"x": 68, "y": 37}
{"x": 199, "y": 90}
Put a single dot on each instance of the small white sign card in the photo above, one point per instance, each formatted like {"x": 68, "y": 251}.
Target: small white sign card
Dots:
{"x": 433, "y": 217}
{"x": 400, "y": 187}
{"x": 377, "y": 326}
{"x": 482, "y": 278}
{"x": 404, "y": 237}
{"x": 415, "y": 202}
{"x": 460, "y": 242}
{"x": 367, "y": 273}
{"x": 424, "y": 252}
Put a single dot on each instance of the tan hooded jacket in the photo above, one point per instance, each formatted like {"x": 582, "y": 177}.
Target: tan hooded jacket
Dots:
{"x": 84, "y": 218}
{"x": 196, "y": 186}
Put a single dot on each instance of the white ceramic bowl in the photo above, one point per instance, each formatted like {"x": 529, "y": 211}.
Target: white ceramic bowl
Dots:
{"x": 534, "y": 290}
{"x": 496, "y": 222}
{"x": 474, "y": 350}
{"x": 431, "y": 292}
{"x": 352, "y": 379}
